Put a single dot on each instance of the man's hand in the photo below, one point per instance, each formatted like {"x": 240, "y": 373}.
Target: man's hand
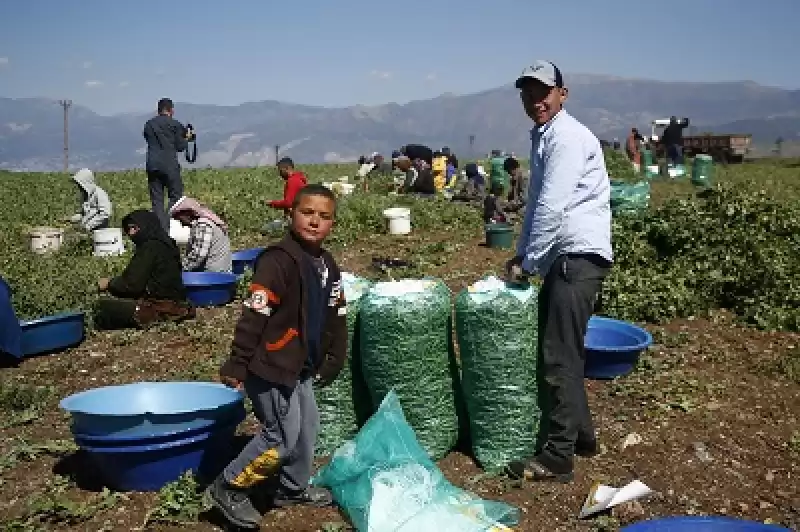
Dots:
{"x": 102, "y": 284}
{"x": 321, "y": 382}
{"x": 514, "y": 272}
{"x": 230, "y": 382}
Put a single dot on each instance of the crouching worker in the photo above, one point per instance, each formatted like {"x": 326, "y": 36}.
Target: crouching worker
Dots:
{"x": 151, "y": 288}
{"x": 291, "y": 335}
{"x": 209, "y": 248}
{"x": 96, "y": 206}
{"x": 495, "y": 206}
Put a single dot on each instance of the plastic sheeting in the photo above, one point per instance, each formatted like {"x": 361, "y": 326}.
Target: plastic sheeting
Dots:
{"x": 385, "y": 482}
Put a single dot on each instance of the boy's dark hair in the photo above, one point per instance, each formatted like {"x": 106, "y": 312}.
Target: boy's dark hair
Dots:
{"x": 165, "y": 105}
{"x": 286, "y": 161}
{"x": 510, "y": 164}
{"x": 314, "y": 189}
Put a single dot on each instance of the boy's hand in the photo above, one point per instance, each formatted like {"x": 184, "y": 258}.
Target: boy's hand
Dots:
{"x": 231, "y": 382}
{"x": 102, "y": 284}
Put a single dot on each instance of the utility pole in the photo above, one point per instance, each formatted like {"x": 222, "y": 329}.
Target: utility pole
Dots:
{"x": 472, "y": 146}
{"x": 66, "y": 104}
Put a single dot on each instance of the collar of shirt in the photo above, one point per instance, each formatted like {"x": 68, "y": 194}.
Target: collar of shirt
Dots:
{"x": 538, "y": 131}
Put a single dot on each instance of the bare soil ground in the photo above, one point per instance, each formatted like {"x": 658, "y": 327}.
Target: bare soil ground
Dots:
{"x": 713, "y": 410}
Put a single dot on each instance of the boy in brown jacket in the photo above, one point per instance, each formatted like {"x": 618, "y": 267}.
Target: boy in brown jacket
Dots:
{"x": 292, "y": 334}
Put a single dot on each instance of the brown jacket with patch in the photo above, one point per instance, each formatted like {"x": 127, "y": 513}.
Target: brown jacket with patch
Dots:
{"x": 269, "y": 341}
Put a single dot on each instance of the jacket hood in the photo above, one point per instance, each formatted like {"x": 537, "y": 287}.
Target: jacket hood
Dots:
{"x": 85, "y": 179}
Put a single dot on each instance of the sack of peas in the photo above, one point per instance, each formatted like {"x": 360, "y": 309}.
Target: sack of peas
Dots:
{"x": 345, "y": 405}
{"x": 498, "y": 342}
{"x": 406, "y": 345}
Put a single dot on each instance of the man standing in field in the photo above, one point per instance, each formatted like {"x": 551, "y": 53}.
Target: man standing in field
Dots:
{"x": 566, "y": 239}
{"x": 166, "y": 138}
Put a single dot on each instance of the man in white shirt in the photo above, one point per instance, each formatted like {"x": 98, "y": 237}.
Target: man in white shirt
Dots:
{"x": 566, "y": 240}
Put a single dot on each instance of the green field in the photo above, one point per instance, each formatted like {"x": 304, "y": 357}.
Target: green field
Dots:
{"x": 714, "y": 276}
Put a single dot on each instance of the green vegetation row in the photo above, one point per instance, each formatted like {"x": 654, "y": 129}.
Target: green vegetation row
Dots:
{"x": 735, "y": 247}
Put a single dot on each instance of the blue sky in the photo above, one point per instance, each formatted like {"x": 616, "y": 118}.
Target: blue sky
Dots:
{"x": 118, "y": 56}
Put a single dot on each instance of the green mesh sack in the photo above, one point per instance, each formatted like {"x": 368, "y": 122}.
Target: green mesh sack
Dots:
{"x": 383, "y": 480}
{"x": 496, "y": 328}
{"x": 406, "y": 345}
{"x": 345, "y": 405}
{"x": 629, "y": 197}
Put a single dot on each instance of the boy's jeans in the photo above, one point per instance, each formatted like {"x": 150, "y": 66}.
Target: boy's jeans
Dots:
{"x": 285, "y": 444}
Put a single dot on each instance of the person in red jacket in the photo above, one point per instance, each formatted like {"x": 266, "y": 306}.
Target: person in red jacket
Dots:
{"x": 294, "y": 182}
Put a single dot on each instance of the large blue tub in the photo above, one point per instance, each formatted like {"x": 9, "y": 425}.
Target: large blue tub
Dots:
{"x": 701, "y": 524}
{"x": 52, "y": 333}
{"x": 148, "y": 409}
{"x": 613, "y": 347}
{"x": 210, "y": 289}
{"x": 245, "y": 258}
{"x": 147, "y": 466}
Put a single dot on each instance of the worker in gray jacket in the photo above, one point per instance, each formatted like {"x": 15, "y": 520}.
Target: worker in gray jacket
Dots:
{"x": 96, "y": 208}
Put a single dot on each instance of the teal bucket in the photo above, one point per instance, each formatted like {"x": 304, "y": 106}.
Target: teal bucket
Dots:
{"x": 703, "y": 171}
{"x": 499, "y": 235}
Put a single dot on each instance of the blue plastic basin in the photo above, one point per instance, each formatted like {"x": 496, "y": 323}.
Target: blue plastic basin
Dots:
{"x": 148, "y": 467}
{"x": 210, "y": 289}
{"x": 147, "y": 409}
{"x": 245, "y": 258}
{"x": 52, "y": 333}
{"x": 613, "y": 347}
{"x": 701, "y": 524}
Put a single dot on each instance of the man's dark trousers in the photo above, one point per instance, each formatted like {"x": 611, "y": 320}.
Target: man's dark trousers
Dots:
{"x": 566, "y": 302}
{"x": 157, "y": 181}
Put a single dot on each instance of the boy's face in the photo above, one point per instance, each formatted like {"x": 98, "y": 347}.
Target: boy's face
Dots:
{"x": 312, "y": 219}
{"x": 285, "y": 170}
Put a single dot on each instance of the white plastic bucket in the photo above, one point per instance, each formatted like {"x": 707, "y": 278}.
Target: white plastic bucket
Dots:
{"x": 399, "y": 219}
{"x": 108, "y": 242}
{"x": 46, "y": 239}
{"x": 178, "y": 232}
{"x": 676, "y": 171}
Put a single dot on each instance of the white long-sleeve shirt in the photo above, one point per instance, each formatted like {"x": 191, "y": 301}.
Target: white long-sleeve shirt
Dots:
{"x": 568, "y": 209}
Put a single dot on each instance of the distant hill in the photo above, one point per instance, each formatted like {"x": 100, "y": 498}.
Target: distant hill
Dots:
{"x": 246, "y": 134}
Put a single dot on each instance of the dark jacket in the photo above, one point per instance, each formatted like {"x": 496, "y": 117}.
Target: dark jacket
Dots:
{"x": 272, "y": 339}
{"x": 166, "y": 138}
{"x": 424, "y": 182}
{"x": 673, "y": 134}
{"x": 155, "y": 270}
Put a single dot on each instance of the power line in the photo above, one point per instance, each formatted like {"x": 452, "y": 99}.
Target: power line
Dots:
{"x": 66, "y": 104}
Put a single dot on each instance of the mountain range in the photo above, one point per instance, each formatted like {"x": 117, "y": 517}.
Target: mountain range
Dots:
{"x": 31, "y": 129}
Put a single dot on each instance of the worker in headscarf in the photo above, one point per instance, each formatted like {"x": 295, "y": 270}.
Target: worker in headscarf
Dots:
{"x": 209, "y": 248}
{"x": 151, "y": 287}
